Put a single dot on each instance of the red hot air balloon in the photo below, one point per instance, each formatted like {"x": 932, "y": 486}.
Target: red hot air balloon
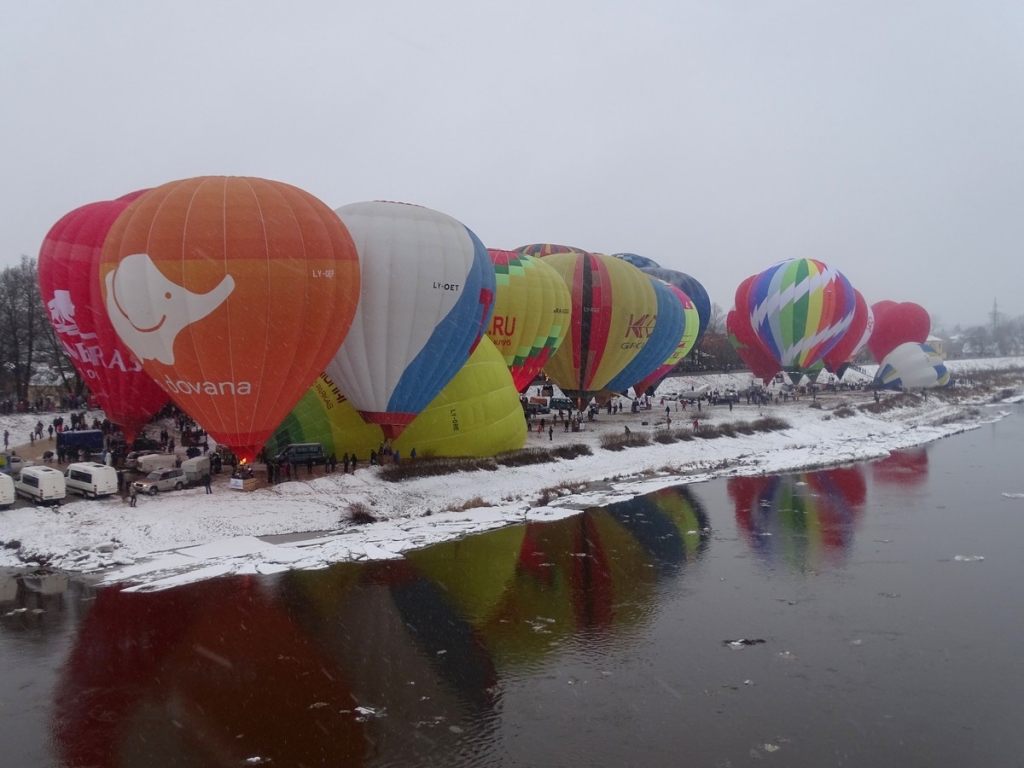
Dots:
{"x": 853, "y": 340}
{"x": 69, "y": 286}
{"x": 234, "y": 293}
{"x": 745, "y": 341}
{"x": 897, "y": 324}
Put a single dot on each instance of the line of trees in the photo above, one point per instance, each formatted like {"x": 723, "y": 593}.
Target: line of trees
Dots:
{"x": 30, "y": 352}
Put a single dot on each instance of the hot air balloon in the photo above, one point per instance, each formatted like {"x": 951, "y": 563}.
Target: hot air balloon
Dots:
{"x": 911, "y": 366}
{"x": 531, "y": 313}
{"x": 234, "y": 293}
{"x": 427, "y": 296}
{"x": 69, "y": 262}
{"x": 614, "y": 306}
{"x": 897, "y": 324}
{"x": 638, "y": 261}
{"x": 852, "y": 342}
{"x": 800, "y": 309}
{"x": 743, "y": 339}
{"x": 477, "y": 414}
{"x": 540, "y": 250}
{"x": 691, "y": 287}
{"x": 691, "y": 325}
{"x": 662, "y": 341}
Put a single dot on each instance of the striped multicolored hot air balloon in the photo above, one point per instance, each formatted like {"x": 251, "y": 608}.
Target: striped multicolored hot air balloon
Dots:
{"x": 540, "y": 250}
{"x": 614, "y": 306}
{"x": 799, "y": 309}
{"x": 691, "y": 327}
{"x": 532, "y": 307}
{"x": 426, "y": 299}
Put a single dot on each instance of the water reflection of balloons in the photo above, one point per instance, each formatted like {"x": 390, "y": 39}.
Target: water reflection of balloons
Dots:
{"x": 907, "y": 468}
{"x": 804, "y": 519}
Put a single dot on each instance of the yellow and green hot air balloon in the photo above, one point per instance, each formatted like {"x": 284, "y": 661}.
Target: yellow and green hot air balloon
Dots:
{"x": 614, "y": 309}
{"x": 477, "y": 414}
{"x": 532, "y": 307}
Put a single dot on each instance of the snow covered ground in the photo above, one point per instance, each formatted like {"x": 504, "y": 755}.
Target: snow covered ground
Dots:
{"x": 186, "y": 536}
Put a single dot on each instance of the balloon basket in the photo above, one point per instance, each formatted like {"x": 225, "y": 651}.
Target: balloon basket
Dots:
{"x": 242, "y": 484}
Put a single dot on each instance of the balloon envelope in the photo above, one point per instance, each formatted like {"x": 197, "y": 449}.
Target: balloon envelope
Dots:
{"x": 233, "y": 293}
{"x": 69, "y": 262}
{"x": 897, "y": 324}
{"x": 691, "y": 325}
{"x": 477, "y": 414}
{"x": 692, "y": 288}
{"x": 854, "y": 339}
{"x": 540, "y": 250}
{"x": 613, "y": 312}
{"x": 532, "y": 307}
{"x": 427, "y": 296}
{"x": 800, "y": 309}
{"x": 664, "y": 338}
{"x": 638, "y": 261}
{"x": 912, "y": 366}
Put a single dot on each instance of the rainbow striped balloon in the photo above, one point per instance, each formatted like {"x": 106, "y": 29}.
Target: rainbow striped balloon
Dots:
{"x": 800, "y": 309}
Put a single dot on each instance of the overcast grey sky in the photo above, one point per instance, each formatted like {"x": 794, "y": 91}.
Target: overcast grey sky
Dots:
{"x": 884, "y": 138}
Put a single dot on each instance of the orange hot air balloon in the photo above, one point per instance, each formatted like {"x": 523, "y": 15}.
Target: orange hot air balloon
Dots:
{"x": 234, "y": 293}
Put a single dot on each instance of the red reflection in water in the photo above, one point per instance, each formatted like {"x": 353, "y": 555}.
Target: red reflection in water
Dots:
{"x": 215, "y": 673}
{"x": 907, "y": 468}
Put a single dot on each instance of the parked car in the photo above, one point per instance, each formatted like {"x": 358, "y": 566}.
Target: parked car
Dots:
{"x": 161, "y": 480}
{"x": 724, "y": 398}
{"x": 534, "y": 408}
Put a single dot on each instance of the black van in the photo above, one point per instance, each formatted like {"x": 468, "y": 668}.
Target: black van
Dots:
{"x": 562, "y": 404}
{"x": 302, "y": 453}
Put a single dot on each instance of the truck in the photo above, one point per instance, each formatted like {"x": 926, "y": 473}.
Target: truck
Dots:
{"x": 74, "y": 441}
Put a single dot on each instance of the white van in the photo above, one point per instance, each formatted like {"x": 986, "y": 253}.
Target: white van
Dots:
{"x": 41, "y": 484}
{"x": 196, "y": 468}
{"x": 154, "y": 461}
{"x": 91, "y": 479}
{"x": 6, "y": 491}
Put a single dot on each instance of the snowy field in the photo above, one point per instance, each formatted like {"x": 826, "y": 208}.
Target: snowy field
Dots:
{"x": 184, "y": 536}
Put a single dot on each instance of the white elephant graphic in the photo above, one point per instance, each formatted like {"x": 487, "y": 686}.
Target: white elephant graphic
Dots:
{"x": 148, "y": 311}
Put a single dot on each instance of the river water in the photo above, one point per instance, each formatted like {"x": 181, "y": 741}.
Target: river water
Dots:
{"x": 875, "y": 637}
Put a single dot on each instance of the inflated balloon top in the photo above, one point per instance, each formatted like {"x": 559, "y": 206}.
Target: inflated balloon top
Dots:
{"x": 799, "y": 309}
{"x": 427, "y": 297}
{"x": 69, "y": 262}
{"x": 638, "y": 261}
{"x": 532, "y": 307}
{"x": 691, "y": 287}
{"x": 540, "y": 250}
{"x": 897, "y": 324}
{"x": 234, "y": 293}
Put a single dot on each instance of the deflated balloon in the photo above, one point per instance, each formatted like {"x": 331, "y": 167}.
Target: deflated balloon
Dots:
{"x": 69, "y": 263}
{"x": 427, "y": 296}
{"x": 800, "y": 309}
{"x": 897, "y": 324}
{"x": 233, "y": 293}
{"x": 532, "y": 307}
{"x": 912, "y": 366}
{"x": 477, "y": 414}
{"x": 614, "y": 306}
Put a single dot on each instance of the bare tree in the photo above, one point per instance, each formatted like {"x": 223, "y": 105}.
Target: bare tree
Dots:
{"x": 24, "y": 324}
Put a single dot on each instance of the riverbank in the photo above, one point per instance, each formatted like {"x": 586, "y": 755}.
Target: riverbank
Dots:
{"x": 309, "y": 523}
